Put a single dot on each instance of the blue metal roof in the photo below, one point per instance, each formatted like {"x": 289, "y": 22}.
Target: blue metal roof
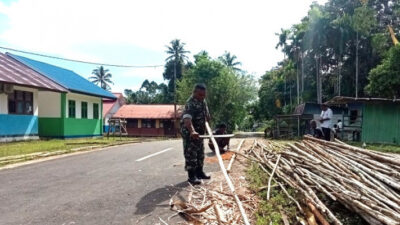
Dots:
{"x": 67, "y": 78}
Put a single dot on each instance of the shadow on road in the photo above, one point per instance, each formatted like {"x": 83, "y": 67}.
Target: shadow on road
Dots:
{"x": 151, "y": 200}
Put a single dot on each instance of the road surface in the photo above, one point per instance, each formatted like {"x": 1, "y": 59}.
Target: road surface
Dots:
{"x": 130, "y": 184}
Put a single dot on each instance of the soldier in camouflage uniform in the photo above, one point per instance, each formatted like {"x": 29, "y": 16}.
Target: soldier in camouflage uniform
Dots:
{"x": 192, "y": 125}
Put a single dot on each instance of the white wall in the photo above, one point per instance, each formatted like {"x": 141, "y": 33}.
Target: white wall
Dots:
{"x": 112, "y": 111}
{"x": 3, "y": 104}
{"x": 49, "y": 104}
{"x": 79, "y": 98}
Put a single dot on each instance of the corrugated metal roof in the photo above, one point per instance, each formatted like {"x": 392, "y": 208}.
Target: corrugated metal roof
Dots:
{"x": 67, "y": 78}
{"x": 345, "y": 100}
{"x": 14, "y": 72}
{"x": 147, "y": 112}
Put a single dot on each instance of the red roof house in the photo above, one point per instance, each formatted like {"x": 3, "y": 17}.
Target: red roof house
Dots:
{"x": 149, "y": 120}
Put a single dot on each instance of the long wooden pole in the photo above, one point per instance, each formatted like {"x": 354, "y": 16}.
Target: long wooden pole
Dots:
{"x": 228, "y": 180}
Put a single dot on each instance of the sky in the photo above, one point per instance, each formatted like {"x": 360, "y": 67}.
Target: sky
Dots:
{"x": 136, "y": 32}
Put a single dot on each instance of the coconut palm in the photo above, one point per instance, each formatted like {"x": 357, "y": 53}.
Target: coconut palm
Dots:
{"x": 103, "y": 77}
{"x": 176, "y": 52}
{"x": 230, "y": 61}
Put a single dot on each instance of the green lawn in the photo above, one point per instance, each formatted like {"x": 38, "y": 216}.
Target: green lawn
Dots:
{"x": 379, "y": 147}
{"x": 27, "y": 147}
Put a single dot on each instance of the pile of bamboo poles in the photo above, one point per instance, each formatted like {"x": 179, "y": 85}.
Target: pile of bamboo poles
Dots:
{"x": 364, "y": 181}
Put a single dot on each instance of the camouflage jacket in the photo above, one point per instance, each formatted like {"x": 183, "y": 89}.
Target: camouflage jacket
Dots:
{"x": 197, "y": 111}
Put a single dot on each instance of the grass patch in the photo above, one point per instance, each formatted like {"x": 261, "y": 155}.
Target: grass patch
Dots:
{"x": 379, "y": 147}
{"x": 28, "y": 147}
{"x": 269, "y": 211}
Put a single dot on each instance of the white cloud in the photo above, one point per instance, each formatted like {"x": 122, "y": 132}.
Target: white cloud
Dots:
{"x": 245, "y": 28}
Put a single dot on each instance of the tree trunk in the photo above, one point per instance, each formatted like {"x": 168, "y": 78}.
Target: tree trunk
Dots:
{"x": 302, "y": 72}
{"x": 319, "y": 98}
{"x": 298, "y": 80}
{"x": 339, "y": 77}
{"x": 357, "y": 43}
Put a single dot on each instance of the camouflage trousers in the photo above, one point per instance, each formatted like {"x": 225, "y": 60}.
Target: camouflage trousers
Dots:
{"x": 193, "y": 151}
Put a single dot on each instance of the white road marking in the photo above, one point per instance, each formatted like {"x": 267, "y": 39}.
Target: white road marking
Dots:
{"x": 154, "y": 154}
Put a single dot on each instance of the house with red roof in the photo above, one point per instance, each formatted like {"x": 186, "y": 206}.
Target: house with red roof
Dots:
{"x": 110, "y": 107}
{"x": 150, "y": 120}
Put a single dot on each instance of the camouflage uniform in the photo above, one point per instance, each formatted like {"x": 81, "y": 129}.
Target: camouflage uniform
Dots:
{"x": 193, "y": 150}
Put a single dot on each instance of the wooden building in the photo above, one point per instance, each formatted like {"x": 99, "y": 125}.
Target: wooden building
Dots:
{"x": 149, "y": 120}
{"x": 370, "y": 120}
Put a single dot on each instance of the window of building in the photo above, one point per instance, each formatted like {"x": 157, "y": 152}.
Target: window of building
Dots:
{"x": 95, "y": 111}
{"x": 84, "y": 110}
{"x": 71, "y": 108}
{"x": 20, "y": 102}
{"x": 148, "y": 123}
{"x": 132, "y": 123}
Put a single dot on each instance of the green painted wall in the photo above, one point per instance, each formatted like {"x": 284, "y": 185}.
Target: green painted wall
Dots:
{"x": 70, "y": 127}
{"x": 51, "y": 127}
{"x": 82, "y": 127}
{"x": 381, "y": 123}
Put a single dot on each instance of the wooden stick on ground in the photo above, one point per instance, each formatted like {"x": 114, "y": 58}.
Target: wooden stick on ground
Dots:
{"x": 228, "y": 180}
{"x": 272, "y": 175}
{"x": 228, "y": 169}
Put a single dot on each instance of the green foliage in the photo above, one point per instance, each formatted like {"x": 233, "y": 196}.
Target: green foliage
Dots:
{"x": 363, "y": 20}
{"x": 230, "y": 61}
{"x": 149, "y": 93}
{"x": 268, "y": 211}
{"x": 384, "y": 80}
{"x": 228, "y": 93}
{"x": 325, "y": 42}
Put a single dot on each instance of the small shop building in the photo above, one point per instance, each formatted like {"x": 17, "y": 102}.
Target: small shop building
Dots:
{"x": 297, "y": 124}
{"x": 370, "y": 120}
{"x": 150, "y": 120}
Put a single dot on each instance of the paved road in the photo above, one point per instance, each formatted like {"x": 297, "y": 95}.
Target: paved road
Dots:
{"x": 120, "y": 185}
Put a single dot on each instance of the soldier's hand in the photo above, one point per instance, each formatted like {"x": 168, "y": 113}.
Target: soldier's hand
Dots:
{"x": 194, "y": 135}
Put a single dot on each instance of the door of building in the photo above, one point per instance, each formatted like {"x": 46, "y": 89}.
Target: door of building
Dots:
{"x": 168, "y": 128}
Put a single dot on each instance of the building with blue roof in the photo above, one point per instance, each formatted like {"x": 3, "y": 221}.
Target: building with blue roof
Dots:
{"x": 74, "y": 113}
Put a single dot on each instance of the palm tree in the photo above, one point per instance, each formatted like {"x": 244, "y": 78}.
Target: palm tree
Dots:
{"x": 176, "y": 51}
{"x": 230, "y": 61}
{"x": 102, "y": 77}
{"x": 176, "y": 55}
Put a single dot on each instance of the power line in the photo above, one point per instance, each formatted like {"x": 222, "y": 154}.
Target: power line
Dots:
{"x": 79, "y": 61}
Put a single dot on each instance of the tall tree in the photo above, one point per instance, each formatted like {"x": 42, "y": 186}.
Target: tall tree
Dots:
{"x": 230, "y": 61}
{"x": 175, "y": 64}
{"x": 103, "y": 77}
{"x": 228, "y": 92}
{"x": 363, "y": 21}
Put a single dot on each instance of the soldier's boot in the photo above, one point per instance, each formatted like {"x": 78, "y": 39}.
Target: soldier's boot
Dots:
{"x": 192, "y": 177}
{"x": 201, "y": 175}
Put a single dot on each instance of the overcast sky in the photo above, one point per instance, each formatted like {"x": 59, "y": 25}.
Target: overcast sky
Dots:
{"x": 136, "y": 32}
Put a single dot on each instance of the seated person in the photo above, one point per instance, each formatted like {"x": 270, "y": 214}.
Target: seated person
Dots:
{"x": 222, "y": 142}
{"x": 316, "y": 131}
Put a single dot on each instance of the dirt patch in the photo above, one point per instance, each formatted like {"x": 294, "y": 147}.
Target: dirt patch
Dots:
{"x": 213, "y": 159}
